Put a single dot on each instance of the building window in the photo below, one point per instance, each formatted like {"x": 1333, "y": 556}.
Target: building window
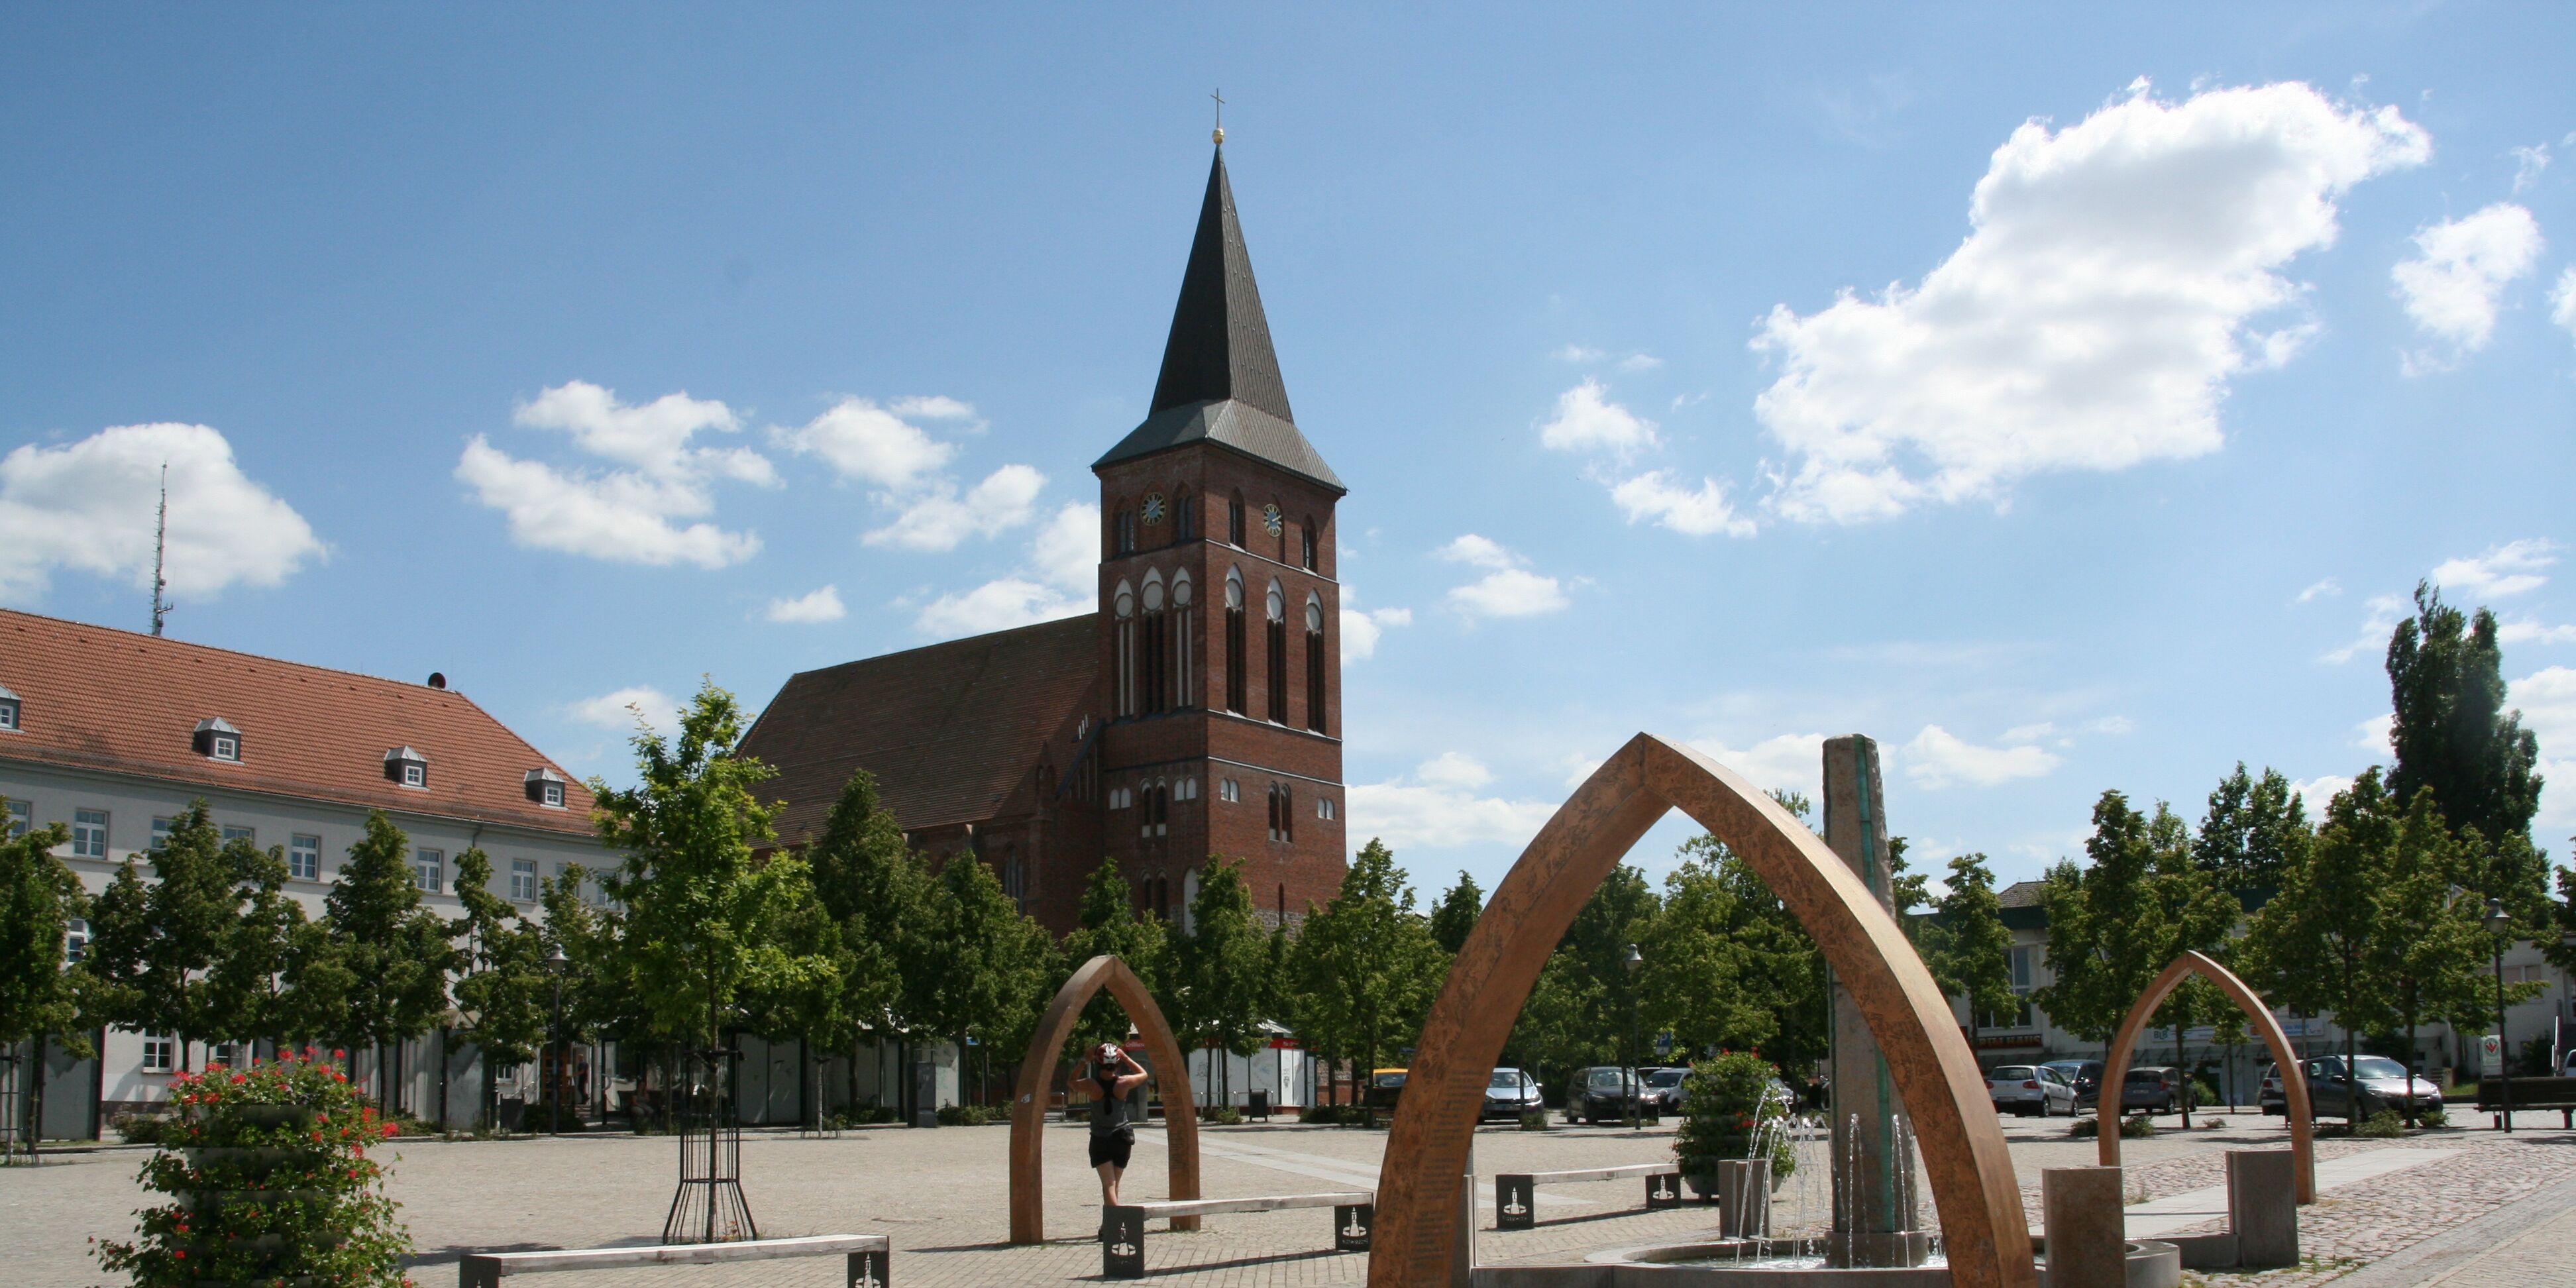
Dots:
{"x": 1154, "y": 670}
{"x": 1186, "y": 790}
{"x": 523, "y": 880}
{"x": 407, "y": 767}
{"x": 235, "y": 832}
{"x": 1234, "y": 521}
{"x": 1184, "y": 630}
{"x": 1277, "y": 643}
{"x": 1014, "y": 881}
{"x": 89, "y": 834}
{"x": 545, "y": 787}
{"x": 1126, "y": 531}
{"x": 1306, "y": 543}
{"x": 1236, "y": 679}
{"x": 1229, "y": 790}
{"x": 1283, "y": 813}
{"x": 75, "y": 941}
{"x": 21, "y": 815}
{"x": 1324, "y": 808}
{"x": 217, "y": 740}
{"x": 429, "y": 870}
{"x": 304, "y": 857}
{"x": 8, "y": 712}
{"x": 1125, "y": 642}
{"x": 1314, "y": 662}
{"x": 1184, "y": 517}
{"x": 158, "y": 1054}
{"x": 161, "y": 825}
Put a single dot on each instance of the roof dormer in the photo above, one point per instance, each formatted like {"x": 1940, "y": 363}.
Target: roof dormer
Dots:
{"x": 407, "y": 767}
{"x": 216, "y": 739}
{"x": 546, "y": 787}
{"x": 9, "y": 711}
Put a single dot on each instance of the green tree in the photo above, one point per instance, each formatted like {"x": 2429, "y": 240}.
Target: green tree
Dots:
{"x": 1965, "y": 943}
{"x": 1691, "y": 983}
{"x": 2314, "y": 946}
{"x": 153, "y": 945}
{"x": 983, "y": 961}
{"x": 1223, "y": 960}
{"x": 39, "y": 997}
{"x": 248, "y": 983}
{"x": 872, "y": 887}
{"x": 1455, "y": 916}
{"x": 2256, "y": 830}
{"x": 503, "y": 986}
{"x": 2435, "y": 952}
{"x": 1108, "y": 924}
{"x": 2451, "y": 730}
{"x": 1366, "y": 962}
{"x": 390, "y": 955}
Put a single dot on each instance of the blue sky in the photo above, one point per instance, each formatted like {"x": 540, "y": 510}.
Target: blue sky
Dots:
{"x": 2056, "y": 399}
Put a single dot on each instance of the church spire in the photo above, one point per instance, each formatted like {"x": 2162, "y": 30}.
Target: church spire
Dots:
{"x": 1220, "y": 342}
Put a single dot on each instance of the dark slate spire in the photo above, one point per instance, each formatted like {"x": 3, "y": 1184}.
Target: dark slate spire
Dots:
{"x": 1220, "y": 343}
{"x": 1220, "y": 381}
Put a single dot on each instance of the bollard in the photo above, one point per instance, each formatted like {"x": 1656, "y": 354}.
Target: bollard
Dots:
{"x": 1743, "y": 1198}
{"x": 2087, "y": 1244}
{"x": 2263, "y": 1206}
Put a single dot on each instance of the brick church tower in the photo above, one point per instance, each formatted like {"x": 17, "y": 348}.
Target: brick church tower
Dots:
{"x": 1220, "y": 619}
{"x": 1196, "y": 713}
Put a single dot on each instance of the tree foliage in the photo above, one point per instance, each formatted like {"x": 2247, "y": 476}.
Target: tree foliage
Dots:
{"x": 2255, "y": 831}
{"x": 1108, "y": 923}
{"x": 39, "y": 897}
{"x": 1455, "y": 915}
{"x": 1224, "y": 964}
{"x": 1365, "y": 966}
{"x": 2115, "y": 923}
{"x": 1965, "y": 942}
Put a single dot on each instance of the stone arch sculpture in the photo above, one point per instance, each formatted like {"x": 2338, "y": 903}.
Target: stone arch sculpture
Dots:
{"x": 2294, "y": 1079}
{"x": 1046, "y": 1047}
{"x": 1979, "y": 1202}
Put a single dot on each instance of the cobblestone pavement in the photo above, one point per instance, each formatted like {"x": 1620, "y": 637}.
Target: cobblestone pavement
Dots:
{"x": 941, "y": 1196}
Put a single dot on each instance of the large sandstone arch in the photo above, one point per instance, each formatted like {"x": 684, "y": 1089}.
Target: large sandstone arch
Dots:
{"x": 2294, "y": 1079}
{"x": 1930, "y": 1062}
{"x": 1046, "y": 1047}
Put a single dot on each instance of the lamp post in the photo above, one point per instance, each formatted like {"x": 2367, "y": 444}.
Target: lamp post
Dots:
{"x": 2500, "y": 925}
{"x": 555, "y": 964}
{"x": 1635, "y": 1091}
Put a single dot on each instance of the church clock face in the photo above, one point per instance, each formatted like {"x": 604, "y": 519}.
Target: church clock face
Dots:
{"x": 1152, "y": 509}
{"x": 1270, "y": 518}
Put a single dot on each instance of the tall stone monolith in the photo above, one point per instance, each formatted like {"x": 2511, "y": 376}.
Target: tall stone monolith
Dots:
{"x": 1874, "y": 1200}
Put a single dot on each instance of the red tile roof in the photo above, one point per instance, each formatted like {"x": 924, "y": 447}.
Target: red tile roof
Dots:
{"x": 97, "y": 698}
{"x": 948, "y": 730}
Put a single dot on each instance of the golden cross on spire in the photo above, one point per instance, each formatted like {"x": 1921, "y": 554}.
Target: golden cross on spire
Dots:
{"x": 1219, "y": 96}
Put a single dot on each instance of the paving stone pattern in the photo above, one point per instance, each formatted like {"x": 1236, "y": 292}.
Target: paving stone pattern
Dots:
{"x": 940, "y": 1195}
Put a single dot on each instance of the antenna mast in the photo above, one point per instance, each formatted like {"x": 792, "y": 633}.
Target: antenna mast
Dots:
{"x": 160, "y": 546}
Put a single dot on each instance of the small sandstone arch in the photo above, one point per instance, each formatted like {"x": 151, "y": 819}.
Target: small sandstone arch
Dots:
{"x": 2294, "y": 1079}
{"x": 1928, "y": 1059}
{"x": 1046, "y": 1047}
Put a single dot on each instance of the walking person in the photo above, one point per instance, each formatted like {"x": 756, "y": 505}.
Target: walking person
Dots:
{"x": 1114, "y": 1075}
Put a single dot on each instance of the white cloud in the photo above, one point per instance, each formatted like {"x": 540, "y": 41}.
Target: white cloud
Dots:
{"x": 2452, "y": 286}
{"x": 872, "y": 444}
{"x": 2527, "y": 631}
{"x": 2028, "y": 732}
{"x": 2112, "y": 725}
{"x": 2527, "y": 165}
{"x": 2105, "y": 295}
{"x": 2318, "y": 792}
{"x": 2373, "y": 735}
{"x": 2547, "y": 700}
{"x": 1640, "y": 362}
{"x": 1060, "y": 580}
{"x": 1006, "y": 499}
{"x": 1579, "y": 353}
{"x": 90, "y": 506}
{"x": 1790, "y": 762}
{"x": 621, "y": 709}
{"x": 1361, "y": 630}
{"x": 2562, "y": 300}
{"x": 1509, "y": 590}
{"x": 631, "y": 515}
{"x": 818, "y": 606}
{"x": 2385, "y": 611}
{"x": 2508, "y": 569}
{"x": 1439, "y": 808}
{"x": 1699, "y": 513}
{"x": 1938, "y": 758}
{"x": 2323, "y": 587}
{"x": 1587, "y": 421}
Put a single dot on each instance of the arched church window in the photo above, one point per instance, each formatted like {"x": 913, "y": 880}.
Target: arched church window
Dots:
{"x": 1185, "y": 520}
{"x": 1277, "y": 642}
{"x": 1184, "y": 647}
{"x": 1237, "y": 669}
{"x": 1315, "y": 662}
{"x": 1306, "y": 543}
{"x": 1234, "y": 521}
{"x": 1152, "y": 683}
{"x": 1126, "y": 531}
{"x": 1124, "y": 642}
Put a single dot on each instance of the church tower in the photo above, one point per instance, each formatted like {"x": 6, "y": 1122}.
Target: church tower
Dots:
{"x": 1220, "y": 615}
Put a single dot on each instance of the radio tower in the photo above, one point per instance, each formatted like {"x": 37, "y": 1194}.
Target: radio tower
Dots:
{"x": 160, "y": 546}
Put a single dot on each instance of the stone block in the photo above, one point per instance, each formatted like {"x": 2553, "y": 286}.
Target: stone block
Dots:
{"x": 2263, "y": 1206}
{"x": 1744, "y": 1198}
{"x": 2087, "y": 1242}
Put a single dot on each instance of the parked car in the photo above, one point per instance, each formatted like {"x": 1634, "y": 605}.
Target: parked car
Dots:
{"x": 1512, "y": 1093}
{"x": 2271, "y": 1097}
{"x": 2085, "y": 1076}
{"x": 1606, "y": 1093}
{"x": 2029, "y": 1089}
{"x": 1663, "y": 1092}
{"x": 1386, "y": 1086}
{"x": 2383, "y": 1084}
{"x": 2157, "y": 1089}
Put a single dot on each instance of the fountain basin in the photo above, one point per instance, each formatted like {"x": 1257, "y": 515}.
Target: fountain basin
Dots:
{"x": 1762, "y": 1263}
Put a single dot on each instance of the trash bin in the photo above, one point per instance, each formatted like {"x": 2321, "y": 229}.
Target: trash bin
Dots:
{"x": 1257, "y": 1105}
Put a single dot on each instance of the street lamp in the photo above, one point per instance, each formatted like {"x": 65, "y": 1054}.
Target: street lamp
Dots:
{"x": 1635, "y": 1092}
{"x": 2500, "y": 925}
{"x": 556, "y": 962}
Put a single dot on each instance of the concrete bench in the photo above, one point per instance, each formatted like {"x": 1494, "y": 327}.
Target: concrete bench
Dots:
{"x": 1122, "y": 1238}
{"x": 1516, "y": 1198}
{"x": 868, "y": 1256}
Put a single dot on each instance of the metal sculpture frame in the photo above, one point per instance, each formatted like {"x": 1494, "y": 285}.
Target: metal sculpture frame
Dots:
{"x": 1037, "y": 1068}
{"x": 2294, "y": 1079}
{"x": 1979, "y": 1201}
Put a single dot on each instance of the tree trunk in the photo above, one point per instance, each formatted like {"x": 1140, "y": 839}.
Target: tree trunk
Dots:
{"x": 36, "y": 1100}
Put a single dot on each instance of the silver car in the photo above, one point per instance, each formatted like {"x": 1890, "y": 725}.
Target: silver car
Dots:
{"x": 2028, "y": 1089}
{"x": 1512, "y": 1093}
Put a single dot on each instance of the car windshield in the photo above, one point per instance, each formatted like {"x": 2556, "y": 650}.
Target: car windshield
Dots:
{"x": 1509, "y": 1079}
{"x": 1390, "y": 1079}
{"x": 1665, "y": 1077}
{"x": 1603, "y": 1080}
{"x": 2011, "y": 1073}
{"x": 2146, "y": 1075}
{"x": 2376, "y": 1067}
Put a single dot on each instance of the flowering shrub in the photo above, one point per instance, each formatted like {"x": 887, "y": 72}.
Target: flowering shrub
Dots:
{"x": 1725, "y": 1102}
{"x": 269, "y": 1183}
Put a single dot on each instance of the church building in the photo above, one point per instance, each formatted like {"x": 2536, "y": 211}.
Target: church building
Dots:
{"x": 1195, "y": 713}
